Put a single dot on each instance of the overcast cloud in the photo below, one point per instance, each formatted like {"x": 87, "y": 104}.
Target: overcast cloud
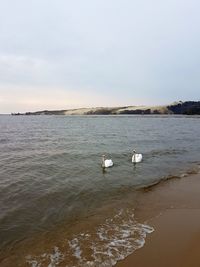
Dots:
{"x": 64, "y": 54}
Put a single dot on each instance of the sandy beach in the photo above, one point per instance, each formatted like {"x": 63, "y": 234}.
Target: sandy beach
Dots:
{"x": 173, "y": 209}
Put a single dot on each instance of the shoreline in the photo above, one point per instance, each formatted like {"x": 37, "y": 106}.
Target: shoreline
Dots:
{"x": 185, "y": 108}
{"x": 173, "y": 210}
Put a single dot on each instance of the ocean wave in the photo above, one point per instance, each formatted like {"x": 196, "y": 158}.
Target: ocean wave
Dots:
{"x": 166, "y": 152}
{"x": 191, "y": 171}
{"x": 103, "y": 246}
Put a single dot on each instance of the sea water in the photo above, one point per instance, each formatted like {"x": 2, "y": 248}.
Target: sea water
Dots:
{"x": 59, "y": 208}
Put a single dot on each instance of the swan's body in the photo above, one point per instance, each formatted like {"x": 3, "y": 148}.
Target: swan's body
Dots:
{"x": 136, "y": 157}
{"x": 106, "y": 163}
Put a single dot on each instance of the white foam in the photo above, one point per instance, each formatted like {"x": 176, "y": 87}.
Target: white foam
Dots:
{"x": 33, "y": 263}
{"x": 103, "y": 246}
{"x": 38, "y": 261}
{"x": 55, "y": 257}
{"x": 114, "y": 240}
{"x": 74, "y": 245}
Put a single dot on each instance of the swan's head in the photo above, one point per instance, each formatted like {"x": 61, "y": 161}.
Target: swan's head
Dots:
{"x": 134, "y": 151}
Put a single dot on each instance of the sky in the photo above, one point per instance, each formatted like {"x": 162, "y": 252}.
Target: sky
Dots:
{"x": 61, "y": 54}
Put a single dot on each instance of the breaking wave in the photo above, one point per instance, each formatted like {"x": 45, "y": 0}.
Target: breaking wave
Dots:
{"x": 103, "y": 246}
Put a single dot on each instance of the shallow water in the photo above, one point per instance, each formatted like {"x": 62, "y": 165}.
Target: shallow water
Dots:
{"x": 51, "y": 181}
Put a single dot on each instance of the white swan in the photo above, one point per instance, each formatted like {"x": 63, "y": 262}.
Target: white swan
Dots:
{"x": 136, "y": 157}
{"x": 106, "y": 163}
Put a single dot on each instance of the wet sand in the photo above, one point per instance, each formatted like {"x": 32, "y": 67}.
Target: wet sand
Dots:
{"x": 173, "y": 209}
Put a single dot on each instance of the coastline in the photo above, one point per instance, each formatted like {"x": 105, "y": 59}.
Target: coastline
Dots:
{"x": 171, "y": 207}
{"x": 173, "y": 210}
{"x": 181, "y": 108}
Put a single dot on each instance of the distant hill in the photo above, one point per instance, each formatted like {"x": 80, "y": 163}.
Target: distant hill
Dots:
{"x": 184, "y": 108}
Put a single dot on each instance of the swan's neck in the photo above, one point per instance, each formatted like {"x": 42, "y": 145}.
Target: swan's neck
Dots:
{"x": 134, "y": 154}
{"x": 103, "y": 162}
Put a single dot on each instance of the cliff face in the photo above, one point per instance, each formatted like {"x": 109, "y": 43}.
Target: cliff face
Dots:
{"x": 185, "y": 108}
